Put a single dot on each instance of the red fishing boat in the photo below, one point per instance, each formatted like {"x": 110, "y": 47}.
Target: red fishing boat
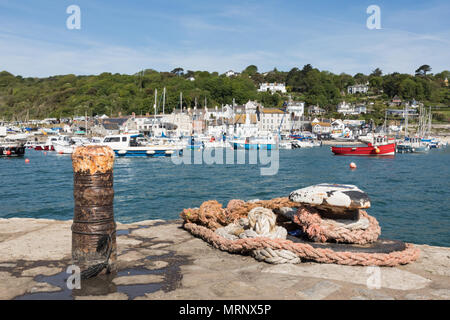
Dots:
{"x": 379, "y": 147}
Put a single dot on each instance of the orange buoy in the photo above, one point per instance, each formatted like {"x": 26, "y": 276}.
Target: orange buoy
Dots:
{"x": 27, "y": 160}
{"x": 377, "y": 150}
{"x": 352, "y": 165}
{"x": 61, "y": 152}
{"x": 8, "y": 152}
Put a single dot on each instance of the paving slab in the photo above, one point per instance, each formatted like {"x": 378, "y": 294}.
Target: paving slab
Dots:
{"x": 160, "y": 260}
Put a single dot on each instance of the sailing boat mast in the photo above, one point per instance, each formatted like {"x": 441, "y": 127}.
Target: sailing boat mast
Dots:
{"x": 429, "y": 122}
{"x": 181, "y": 101}
{"x": 154, "y": 106}
{"x": 406, "y": 121}
{"x": 164, "y": 99}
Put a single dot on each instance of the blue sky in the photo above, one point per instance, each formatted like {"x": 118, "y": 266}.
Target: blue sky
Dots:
{"x": 216, "y": 35}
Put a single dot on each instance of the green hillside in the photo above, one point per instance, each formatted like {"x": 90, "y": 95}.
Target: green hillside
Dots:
{"x": 69, "y": 95}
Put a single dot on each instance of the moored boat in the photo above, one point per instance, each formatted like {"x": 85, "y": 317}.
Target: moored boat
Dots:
{"x": 413, "y": 145}
{"x": 12, "y": 149}
{"x": 126, "y": 145}
{"x": 379, "y": 147}
{"x": 64, "y": 145}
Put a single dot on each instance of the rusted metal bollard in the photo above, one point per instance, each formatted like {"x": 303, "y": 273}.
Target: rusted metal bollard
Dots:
{"x": 93, "y": 230}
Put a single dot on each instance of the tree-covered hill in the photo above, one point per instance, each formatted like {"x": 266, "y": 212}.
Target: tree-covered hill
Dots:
{"x": 68, "y": 95}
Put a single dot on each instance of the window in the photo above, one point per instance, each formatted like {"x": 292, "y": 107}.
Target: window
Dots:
{"x": 112, "y": 139}
{"x": 124, "y": 139}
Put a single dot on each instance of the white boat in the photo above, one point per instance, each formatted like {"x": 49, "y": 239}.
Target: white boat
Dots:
{"x": 126, "y": 145}
{"x": 368, "y": 138}
{"x": 413, "y": 145}
{"x": 286, "y": 144}
{"x": 64, "y": 145}
{"x": 305, "y": 143}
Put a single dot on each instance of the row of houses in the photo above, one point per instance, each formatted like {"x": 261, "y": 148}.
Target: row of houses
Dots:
{"x": 202, "y": 119}
{"x": 253, "y": 113}
{"x": 326, "y": 126}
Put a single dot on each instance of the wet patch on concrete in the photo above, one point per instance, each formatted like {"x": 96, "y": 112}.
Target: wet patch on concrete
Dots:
{"x": 139, "y": 290}
{"x": 103, "y": 285}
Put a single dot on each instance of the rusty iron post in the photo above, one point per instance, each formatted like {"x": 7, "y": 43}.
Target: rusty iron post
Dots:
{"x": 94, "y": 229}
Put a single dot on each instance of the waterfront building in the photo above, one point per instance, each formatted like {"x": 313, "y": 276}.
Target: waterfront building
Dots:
{"x": 354, "y": 123}
{"x": 113, "y": 126}
{"x": 337, "y": 126}
{"x": 219, "y": 112}
{"x": 252, "y": 106}
{"x": 296, "y": 108}
{"x": 182, "y": 120}
{"x": 272, "y": 119}
{"x": 245, "y": 125}
{"x": 320, "y": 127}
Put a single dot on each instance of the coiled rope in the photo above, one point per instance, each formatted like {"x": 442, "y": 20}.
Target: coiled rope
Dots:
{"x": 250, "y": 228}
{"x": 365, "y": 230}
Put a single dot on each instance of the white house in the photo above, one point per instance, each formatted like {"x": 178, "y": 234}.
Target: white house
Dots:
{"x": 296, "y": 108}
{"x": 145, "y": 123}
{"x": 345, "y": 108}
{"x": 272, "y": 87}
{"x": 270, "y": 119}
{"x": 315, "y": 110}
{"x": 252, "y": 106}
{"x": 225, "y": 112}
{"x": 353, "y": 123}
{"x": 182, "y": 120}
{"x": 231, "y": 73}
{"x": 358, "y": 88}
{"x": 337, "y": 126}
{"x": 319, "y": 127}
{"x": 114, "y": 126}
{"x": 360, "y": 109}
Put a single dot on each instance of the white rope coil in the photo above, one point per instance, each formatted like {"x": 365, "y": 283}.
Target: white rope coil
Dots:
{"x": 261, "y": 222}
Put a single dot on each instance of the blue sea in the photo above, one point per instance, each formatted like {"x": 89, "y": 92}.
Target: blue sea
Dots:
{"x": 410, "y": 193}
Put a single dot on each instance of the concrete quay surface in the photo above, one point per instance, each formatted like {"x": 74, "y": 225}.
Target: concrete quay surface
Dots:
{"x": 160, "y": 260}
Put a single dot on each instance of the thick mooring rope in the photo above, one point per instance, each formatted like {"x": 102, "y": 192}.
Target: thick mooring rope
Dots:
{"x": 322, "y": 230}
{"x": 267, "y": 243}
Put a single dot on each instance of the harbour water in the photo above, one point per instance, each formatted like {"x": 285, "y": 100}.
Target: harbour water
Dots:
{"x": 409, "y": 192}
